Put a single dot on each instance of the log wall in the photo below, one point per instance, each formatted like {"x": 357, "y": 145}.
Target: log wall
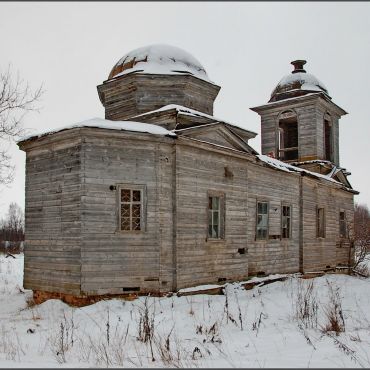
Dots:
{"x": 52, "y": 215}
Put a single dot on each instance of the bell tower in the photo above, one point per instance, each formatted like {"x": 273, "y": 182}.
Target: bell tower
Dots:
{"x": 300, "y": 122}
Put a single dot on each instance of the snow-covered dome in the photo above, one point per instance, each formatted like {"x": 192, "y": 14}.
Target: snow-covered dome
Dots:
{"x": 159, "y": 59}
{"x": 297, "y": 83}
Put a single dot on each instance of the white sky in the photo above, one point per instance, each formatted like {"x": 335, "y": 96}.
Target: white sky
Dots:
{"x": 246, "y": 48}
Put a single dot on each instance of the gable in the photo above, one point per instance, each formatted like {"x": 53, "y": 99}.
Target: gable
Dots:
{"x": 218, "y": 134}
{"x": 341, "y": 177}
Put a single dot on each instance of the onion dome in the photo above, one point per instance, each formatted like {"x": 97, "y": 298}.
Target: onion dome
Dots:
{"x": 159, "y": 59}
{"x": 297, "y": 83}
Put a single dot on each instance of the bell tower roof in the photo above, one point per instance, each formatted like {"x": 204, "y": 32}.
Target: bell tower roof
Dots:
{"x": 297, "y": 83}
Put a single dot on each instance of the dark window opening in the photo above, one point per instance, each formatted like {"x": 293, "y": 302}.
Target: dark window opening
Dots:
{"x": 288, "y": 139}
{"x": 327, "y": 140}
{"x": 286, "y": 222}
{"x": 342, "y": 225}
{"x": 320, "y": 223}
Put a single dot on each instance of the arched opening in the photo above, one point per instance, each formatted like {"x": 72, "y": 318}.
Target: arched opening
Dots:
{"x": 288, "y": 137}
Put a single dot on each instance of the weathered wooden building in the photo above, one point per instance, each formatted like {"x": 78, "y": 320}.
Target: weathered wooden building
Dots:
{"x": 161, "y": 195}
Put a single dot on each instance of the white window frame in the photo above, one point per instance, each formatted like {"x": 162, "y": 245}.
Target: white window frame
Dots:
{"x": 132, "y": 187}
{"x": 290, "y": 220}
{"x": 221, "y": 215}
{"x": 267, "y": 222}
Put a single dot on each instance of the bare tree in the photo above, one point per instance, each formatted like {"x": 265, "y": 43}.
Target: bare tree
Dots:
{"x": 12, "y": 228}
{"x": 359, "y": 238}
{"x": 16, "y": 100}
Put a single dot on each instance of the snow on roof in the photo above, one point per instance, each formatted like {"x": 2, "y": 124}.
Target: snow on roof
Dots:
{"x": 307, "y": 81}
{"x": 289, "y": 168}
{"x": 193, "y": 113}
{"x": 159, "y": 59}
{"x": 108, "y": 125}
{"x": 287, "y": 99}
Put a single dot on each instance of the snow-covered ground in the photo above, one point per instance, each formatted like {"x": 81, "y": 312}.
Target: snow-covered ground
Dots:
{"x": 283, "y": 324}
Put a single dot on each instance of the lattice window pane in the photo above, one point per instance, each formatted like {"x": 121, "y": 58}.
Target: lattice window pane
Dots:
{"x": 136, "y": 210}
{"x": 136, "y": 195}
{"x": 136, "y": 223}
{"x": 125, "y": 223}
{"x": 125, "y": 195}
{"x": 125, "y": 210}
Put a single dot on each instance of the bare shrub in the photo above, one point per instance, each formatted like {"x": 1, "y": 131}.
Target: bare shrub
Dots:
{"x": 333, "y": 311}
{"x": 63, "y": 339}
{"x": 107, "y": 349}
{"x": 258, "y": 321}
{"x": 306, "y": 305}
{"x": 10, "y": 345}
{"x": 146, "y": 322}
{"x": 211, "y": 334}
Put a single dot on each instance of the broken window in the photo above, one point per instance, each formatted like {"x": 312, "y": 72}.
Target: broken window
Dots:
{"x": 320, "y": 220}
{"x": 288, "y": 136}
{"x": 286, "y": 222}
{"x": 327, "y": 140}
{"x": 216, "y": 216}
{"x": 262, "y": 220}
{"x": 342, "y": 225}
{"x": 131, "y": 209}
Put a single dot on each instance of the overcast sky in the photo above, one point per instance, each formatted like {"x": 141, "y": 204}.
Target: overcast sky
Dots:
{"x": 246, "y": 48}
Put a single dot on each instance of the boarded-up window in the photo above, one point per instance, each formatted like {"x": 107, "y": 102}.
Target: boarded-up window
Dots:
{"x": 342, "y": 225}
{"x": 216, "y": 215}
{"x": 131, "y": 209}
{"x": 262, "y": 220}
{"x": 320, "y": 222}
{"x": 286, "y": 222}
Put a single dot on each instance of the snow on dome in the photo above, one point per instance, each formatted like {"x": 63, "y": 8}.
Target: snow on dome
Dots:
{"x": 297, "y": 83}
{"x": 159, "y": 59}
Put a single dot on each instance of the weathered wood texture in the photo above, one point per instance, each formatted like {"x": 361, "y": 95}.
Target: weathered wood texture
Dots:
{"x": 52, "y": 213}
{"x": 114, "y": 261}
{"x": 273, "y": 255}
{"x": 135, "y": 94}
{"x": 73, "y": 244}
{"x": 310, "y": 111}
{"x": 199, "y": 259}
{"x": 322, "y": 253}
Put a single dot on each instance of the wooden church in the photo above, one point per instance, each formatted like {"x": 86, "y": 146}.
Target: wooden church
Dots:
{"x": 161, "y": 195}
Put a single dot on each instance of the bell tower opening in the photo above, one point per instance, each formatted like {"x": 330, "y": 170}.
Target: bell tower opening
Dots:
{"x": 288, "y": 137}
{"x": 328, "y": 138}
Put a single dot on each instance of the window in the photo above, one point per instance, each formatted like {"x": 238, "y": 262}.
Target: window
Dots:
{"x": 262, "y": 220}
{"x": 288, "y": 136}
{"x": 327, "y": 140}
{"x": 342, "y": 225}
{"x": 286, "y": 222}
{"x": 320, "y": 223}
{"x": 131, "y": 208}
{"x": 214, "y": 211}
{"x": 216, "y": 216}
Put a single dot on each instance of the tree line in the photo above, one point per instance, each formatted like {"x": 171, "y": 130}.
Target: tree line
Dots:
{"x": 12, "y": 229}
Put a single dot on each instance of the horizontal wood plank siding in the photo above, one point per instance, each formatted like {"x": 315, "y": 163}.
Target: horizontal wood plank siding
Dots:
{"x": 52, "y": 213}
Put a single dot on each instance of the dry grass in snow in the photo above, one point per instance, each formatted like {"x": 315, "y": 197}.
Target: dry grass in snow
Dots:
{"x": 320, "y": 322}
